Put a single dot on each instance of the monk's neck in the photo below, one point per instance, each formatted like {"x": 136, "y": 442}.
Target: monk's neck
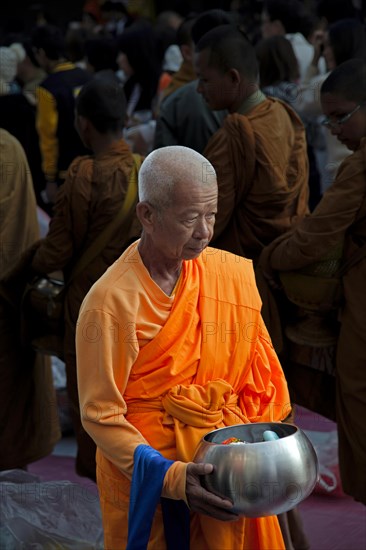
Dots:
{"x": 164, "y": 272}
{"x": 247, "y": 103}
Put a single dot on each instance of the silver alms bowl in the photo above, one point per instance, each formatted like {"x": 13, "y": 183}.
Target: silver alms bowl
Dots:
{"x": 262, "y": 478}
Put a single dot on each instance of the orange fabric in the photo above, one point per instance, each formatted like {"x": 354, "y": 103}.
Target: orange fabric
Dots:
{"x": 184, "y": 75}
{"x": 164, "y": 81}
{"x": 212, "y": 364}
{"x": 262, "y": 170}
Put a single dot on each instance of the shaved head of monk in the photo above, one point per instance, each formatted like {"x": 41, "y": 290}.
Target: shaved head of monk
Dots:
{"x": 227, "y": 67}
{"x": 178, "y": 204}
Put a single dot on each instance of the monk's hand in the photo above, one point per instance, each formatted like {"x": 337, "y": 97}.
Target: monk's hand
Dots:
{"x": 202, "y": 501}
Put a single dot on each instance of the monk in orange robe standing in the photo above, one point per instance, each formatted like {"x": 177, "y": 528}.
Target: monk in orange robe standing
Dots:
{"x": 171, "y": 345}
{"x": 259, "y": 153}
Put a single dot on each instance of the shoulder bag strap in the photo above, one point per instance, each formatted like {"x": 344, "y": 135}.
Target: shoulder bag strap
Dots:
{"x": 122, "y": 220}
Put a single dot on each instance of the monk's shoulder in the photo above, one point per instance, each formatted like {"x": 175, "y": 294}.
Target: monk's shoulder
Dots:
{"x": 222, "y": 259}
{"x": 235, "y": 275}
{"x": 115, "y": 289}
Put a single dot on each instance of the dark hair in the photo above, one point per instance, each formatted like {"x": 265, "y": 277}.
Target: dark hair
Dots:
{"x": 102, "y": 101}
{"x": 230, "y": 49}
{"x": 347, "y": 80}
{"x": 50, "y": 39}
{"x": 184, "y": 31}
{"x": 27, "y": 45}
{"x": 101, "y": 53}
{"x": 347, "y": 38}
{"x": 25, "y": 41}
{"x": 138, "y": 43}
{"x": 209, "y": 20}
{"x": 75, "y": 43}
{"x": 292, "y": 14}
{"x": 277, "y": 61}
{"x": 334, "y": 10}
{"x": 114, "y": 5}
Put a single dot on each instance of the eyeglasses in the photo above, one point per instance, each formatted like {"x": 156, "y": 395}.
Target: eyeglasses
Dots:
{"x": 337, "y": 122}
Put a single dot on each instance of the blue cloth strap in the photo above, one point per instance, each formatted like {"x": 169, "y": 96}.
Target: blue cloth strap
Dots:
{"x": 149, "y": 471}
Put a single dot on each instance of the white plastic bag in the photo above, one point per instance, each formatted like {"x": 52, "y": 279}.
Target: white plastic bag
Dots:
{"x": 326, "y": 448}
{"x": 56, "y": 515}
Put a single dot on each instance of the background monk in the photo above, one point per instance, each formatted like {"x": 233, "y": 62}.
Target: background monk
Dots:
{"x": 160, "y": 364}
{"x": 339, "y": 222}
{"x": 29, "y": 426}
{"x": 259, "y": 154}
{"x": 92, "y": 196}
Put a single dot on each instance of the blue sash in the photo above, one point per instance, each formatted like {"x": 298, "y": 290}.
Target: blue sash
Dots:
{"x": 149, "y": 471}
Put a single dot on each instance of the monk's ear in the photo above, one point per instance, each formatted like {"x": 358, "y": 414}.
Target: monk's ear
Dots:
{"x": 234, "y": 76}
{"x": 187, "y": 51}
{"x": 145, "y": 214}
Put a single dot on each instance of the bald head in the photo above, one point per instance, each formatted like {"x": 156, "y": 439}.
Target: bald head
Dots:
{"x": 229, "y": 48}
{"x": 166, "y": 168}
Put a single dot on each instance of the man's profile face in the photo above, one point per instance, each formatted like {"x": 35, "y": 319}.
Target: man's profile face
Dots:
{"x": 184, "y": 229}
{"x": 214, "y": 85}
{"x": 347, "y": 119}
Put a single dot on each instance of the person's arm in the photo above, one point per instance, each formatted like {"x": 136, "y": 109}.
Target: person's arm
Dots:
{"x": 324, "y": 230}
{"x": 70, "y": 220}
{"x": 105, "y": 354}
{"x": 318, "y": 45}
{"x": 106, "y": 349}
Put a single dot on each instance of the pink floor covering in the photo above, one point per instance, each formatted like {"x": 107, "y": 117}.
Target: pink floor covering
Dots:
{"x": 331, "y": 522}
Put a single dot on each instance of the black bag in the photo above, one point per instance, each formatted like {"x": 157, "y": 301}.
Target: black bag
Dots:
{"x": 43, "y": 313}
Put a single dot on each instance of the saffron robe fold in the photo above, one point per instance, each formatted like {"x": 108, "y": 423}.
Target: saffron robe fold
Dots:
{"x": 262, "y": 172}
{"x": 205, "y": 363}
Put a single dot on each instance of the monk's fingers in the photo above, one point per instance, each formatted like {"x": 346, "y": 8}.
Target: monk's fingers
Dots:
{"x": 199, "y": 469}
{"x": 204, "y": 502}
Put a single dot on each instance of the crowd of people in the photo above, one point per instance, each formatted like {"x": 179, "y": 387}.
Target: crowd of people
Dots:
{"x": 249, "y": 126}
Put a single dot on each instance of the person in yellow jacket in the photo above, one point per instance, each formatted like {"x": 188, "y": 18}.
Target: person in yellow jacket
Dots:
{"x": 170, "y": 345}
{"x": 59, "y": 141}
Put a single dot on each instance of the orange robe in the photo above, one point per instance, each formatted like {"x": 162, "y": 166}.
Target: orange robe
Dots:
{"x": 339, "y": 219}
{"x": 164, "y": 370}
{"x": 260, "y": 158}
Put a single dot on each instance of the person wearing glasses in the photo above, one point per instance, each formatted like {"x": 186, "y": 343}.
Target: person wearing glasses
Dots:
{"x": 343, "y": 40}
{"x": 339, "y": 222}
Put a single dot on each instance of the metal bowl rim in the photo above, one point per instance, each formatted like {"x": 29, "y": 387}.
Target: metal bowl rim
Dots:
{"x": 297, "y": 431}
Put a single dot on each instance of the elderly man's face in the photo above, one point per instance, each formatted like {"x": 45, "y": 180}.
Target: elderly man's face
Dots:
{"x": 185, "y": 228}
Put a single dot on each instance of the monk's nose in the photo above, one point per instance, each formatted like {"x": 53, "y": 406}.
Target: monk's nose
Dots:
{"x": 202, "y": 229}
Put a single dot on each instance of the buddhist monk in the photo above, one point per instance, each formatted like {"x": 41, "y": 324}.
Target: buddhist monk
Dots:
{"x": 337, "y": 223}
{"x": 259, "y": 154}
{"x": 88, "y": 201}
{"x": 171, "y": 345}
